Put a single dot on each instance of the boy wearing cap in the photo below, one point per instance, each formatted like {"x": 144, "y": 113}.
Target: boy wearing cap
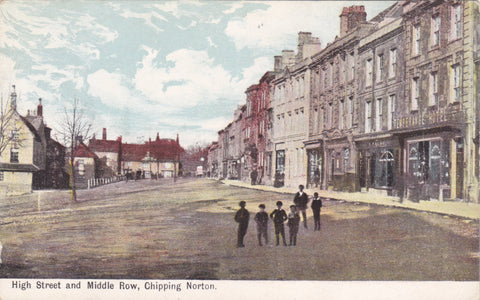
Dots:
{"x": 242, "y": 217}
{"x": 261, "y": 218}
{"x": 279, "y": 216}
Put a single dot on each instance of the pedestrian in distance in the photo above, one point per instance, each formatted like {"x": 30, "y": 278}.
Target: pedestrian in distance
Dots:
{"x": 301, "y": 201}
{"x": 253, "y": 177}
{"x": 316, "y": 206}
{"x": 261, "y": 218}
{"x": 279, "y": 216}
{"x": 242, "y": 217}
{"x": 293, "y": 223}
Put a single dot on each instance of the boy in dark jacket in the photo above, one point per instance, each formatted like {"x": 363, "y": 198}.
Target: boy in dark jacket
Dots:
{"x": 293, "y": 222}
{"x": 261, "y": 218}
{"x": 279, "y": 216}
{"x": 242, "y": 217}
{"x": 316, "y": 205}
{"x": 301, "y": 200}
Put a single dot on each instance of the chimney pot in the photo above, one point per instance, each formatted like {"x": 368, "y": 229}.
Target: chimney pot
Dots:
{"x": 39, "y": 108}
{"x": 104, "y": 134}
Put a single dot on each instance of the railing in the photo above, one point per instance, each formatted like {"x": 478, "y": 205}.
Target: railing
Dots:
{"x": 95, "y": 182}
{"x": 434, "y": 117}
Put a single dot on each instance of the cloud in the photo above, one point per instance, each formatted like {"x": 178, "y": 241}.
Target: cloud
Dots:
{"x": 147, "y": 17}
{"x": 55, "y": 76}
{"x": 7, "y": 75}
{"x": 170, "y": 7}
{"x": 211, "y": 43}
{"x": 276, "y": 27}
{"x": 111, "y": 91}
{"x": 233, "y": 8}
{"x": 193, "y": 78}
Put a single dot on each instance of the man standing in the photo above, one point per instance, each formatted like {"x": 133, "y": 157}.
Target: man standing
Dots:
{"x": 316, "y": 206}
{"x": 301, "y": 200}
{"x": 253, "y": 176}
{"x": 242, "y": 217}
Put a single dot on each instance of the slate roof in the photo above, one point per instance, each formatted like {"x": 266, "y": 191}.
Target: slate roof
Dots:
{"x": 82, "y": 150}
{"x": 18, "y": 167}
{"x": 104, "y": 145}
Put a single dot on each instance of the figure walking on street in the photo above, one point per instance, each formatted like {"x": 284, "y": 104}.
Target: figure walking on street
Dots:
{"x": 301, "y": 200}
{"x": 293, "y": 223}
{"x": 253, "y": 177}
{"x": 242, "y": 217}
{"x": 279, "y": 216}
{"x": 261, "y": 218}
{"x": 316, "y": 205}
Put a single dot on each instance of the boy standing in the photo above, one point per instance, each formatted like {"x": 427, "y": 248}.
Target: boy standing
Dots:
{"x": 293, "y": 222}
{"x": 301, "y": 200}
{"x": 261, "y": 218}
{"x": 316, "y": 205}
{"x": 279, "y": 216}
{"x": 242, "y": 217}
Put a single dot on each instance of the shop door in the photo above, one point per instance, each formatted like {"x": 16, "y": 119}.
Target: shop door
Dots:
{"x": 459, "y": 165}
{"x": 362, "y": 168}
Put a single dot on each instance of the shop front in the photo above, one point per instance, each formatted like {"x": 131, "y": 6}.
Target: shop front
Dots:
{"x": 339, "y": 172}
{"x": 279, "y": 177}
{"x": 314, "y": 164}
{"x": 435, "y": 167}
{"x": 379, "y": 166}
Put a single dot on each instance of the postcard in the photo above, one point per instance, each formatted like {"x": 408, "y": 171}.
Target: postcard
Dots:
{"x": 239, "y": 149}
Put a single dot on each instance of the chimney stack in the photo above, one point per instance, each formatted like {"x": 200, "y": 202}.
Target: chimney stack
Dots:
{"x": 40, "y": 108}
{"x": 351, "y": 17}
{"x": 104, "y": 134}
{"x": 13, "y": 99}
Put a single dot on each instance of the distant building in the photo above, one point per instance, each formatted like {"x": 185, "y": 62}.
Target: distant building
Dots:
{"x": 257, "y": 125}
{"x": 86, "y": 164}
{"x": 110, "y": 152}
{"x": 160, "y": 157}
{"x": 213, "y": 159}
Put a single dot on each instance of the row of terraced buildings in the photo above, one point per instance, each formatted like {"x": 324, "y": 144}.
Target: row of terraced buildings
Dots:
{"x": 391, "y": 106}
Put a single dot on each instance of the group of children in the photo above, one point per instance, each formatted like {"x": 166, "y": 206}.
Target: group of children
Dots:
{"x": 279, "y": 216}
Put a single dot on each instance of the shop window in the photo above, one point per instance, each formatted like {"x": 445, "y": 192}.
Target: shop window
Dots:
{"x": 428, "y": 163}
{"x": 384, "y": 167}
{"x": 346, "y": 158}
{"x": 280, "y": 161}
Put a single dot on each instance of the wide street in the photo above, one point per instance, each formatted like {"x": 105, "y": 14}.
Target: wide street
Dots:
{"x": 185, "y": 230}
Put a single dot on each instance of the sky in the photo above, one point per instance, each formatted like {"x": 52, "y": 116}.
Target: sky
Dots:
{"x": 142, "y": 67}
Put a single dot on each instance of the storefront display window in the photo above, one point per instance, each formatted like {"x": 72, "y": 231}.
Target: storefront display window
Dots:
{"x": 384, "y": 169}
{"x": 281, "y": 161}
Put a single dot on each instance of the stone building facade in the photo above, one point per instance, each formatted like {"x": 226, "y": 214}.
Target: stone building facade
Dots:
{"x": 290, "y": 110}
{"x": 256, "y": 130}
{"x": 334, "y": 105}
{"x": 390, "y": 106}
{"x": 380, "y": 94}
{"x": 437, "y": 121}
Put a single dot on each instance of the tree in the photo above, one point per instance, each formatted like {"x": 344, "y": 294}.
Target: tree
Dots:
{"x": 73, "y": 129}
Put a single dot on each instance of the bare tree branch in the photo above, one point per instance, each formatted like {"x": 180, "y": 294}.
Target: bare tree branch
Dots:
{"x": 73, "y": 127}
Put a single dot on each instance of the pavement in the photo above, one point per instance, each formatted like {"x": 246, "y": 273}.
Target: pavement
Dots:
{"x": 450, "y": 208}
